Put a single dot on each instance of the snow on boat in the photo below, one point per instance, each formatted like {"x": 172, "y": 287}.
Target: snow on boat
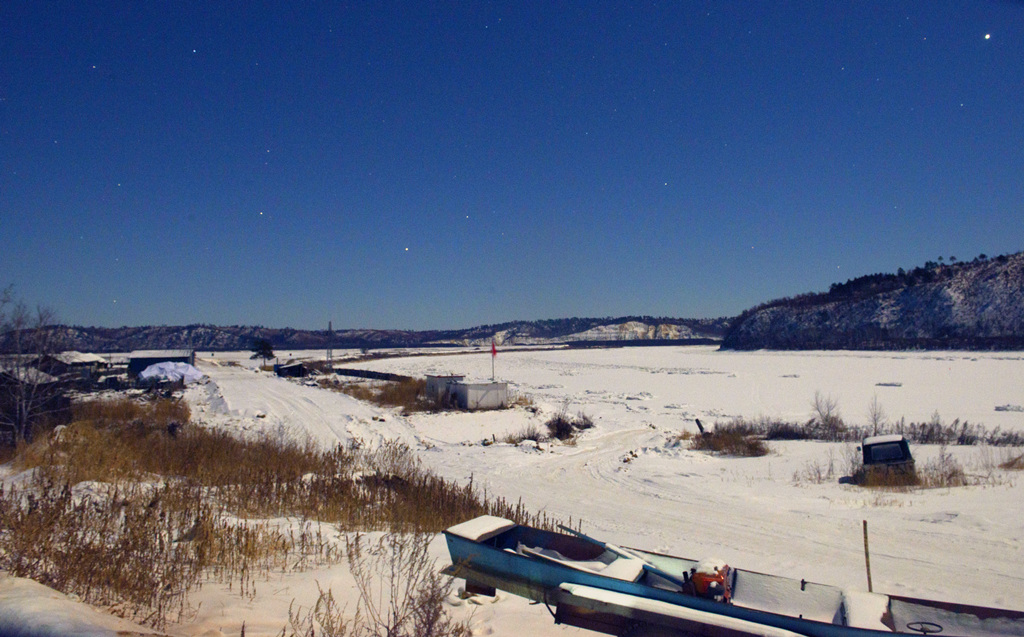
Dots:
{"x": 625, "y": 591}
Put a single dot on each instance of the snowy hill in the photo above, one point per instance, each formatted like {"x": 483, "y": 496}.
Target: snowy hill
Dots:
{"x": 236, "y": 337}
{"x": 578, "y": 330}
{"x": 971, "y": 305}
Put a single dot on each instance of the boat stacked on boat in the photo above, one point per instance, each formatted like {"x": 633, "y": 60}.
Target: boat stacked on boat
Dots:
{"x": 626, "y": 591}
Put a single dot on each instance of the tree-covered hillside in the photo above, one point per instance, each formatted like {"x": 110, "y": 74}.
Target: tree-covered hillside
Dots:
{"x": 956, "y": 305}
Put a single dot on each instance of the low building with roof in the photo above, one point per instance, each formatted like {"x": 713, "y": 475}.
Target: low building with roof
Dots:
{"x": 439, "y": 387}
{"x": 293, "y": 369}
{"x": 141, "y": 359}
{"x": 71, "y": 361}
{"x": 475, "y": 396}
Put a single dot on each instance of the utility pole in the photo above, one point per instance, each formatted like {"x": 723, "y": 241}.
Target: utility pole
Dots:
{"x": 330, "y": 342}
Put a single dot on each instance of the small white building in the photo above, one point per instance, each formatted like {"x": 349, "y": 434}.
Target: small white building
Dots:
{"x": 473, "y": 396}
{"x": 439, "y": 386}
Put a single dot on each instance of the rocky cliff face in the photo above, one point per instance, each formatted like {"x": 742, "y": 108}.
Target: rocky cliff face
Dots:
{"x": 976, "y": 305}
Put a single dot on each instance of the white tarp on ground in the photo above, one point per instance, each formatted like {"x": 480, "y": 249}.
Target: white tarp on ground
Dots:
{"x": 172, "y": 372}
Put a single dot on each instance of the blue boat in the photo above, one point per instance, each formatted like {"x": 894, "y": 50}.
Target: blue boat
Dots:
{"x": 630, "y": 592}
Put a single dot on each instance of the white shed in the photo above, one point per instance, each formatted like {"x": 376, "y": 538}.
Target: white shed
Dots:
{"x": 480, "y": 395}
{"x": 439, "y": 386}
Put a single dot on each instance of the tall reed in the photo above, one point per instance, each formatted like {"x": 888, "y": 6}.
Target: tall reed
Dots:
{"x": 131, "y": 508}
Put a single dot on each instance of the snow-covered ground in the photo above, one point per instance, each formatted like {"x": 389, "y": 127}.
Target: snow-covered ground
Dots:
{"x": 631, "y": 482}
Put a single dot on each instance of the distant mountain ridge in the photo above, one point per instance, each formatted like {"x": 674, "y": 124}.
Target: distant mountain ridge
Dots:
{"x": 241, "y": 337}
{"x": 959, "y": 305}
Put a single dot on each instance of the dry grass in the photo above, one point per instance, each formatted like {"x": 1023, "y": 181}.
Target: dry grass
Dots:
{"x": 942, "y": 472}
{"x": 408, "y": 395}
{"x": 400, "y": 593}
{"x": 732, "y": 439}
{"x": 325, "y": 618}
{"x": 682, "y": 437}
{"x": 889, "y": 479}
{"x": 895, "y": 478}
{"x": 564, "y": 427}
{"x": 530, "y": 432}
{"x": 398, "y": 570}
{"x": 818, "y": 472}
{"x": 1015, "y": 463}
{"x": 162, "y": 512}
{"x": 8, "y": 453}
{"x": 827, "y": 425}
{"x": 139, "y": 551}
{"x": 518, "y": 399}
{"x": 360, "y": 390}
{"x": 154, "y": 413}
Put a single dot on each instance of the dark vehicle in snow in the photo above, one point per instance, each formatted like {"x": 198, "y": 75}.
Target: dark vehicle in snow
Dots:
{"x": 887, "y": 459}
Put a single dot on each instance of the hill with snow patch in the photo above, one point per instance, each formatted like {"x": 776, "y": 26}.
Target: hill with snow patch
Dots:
{"x": 241, "y": 337}
{"x": 970, "y": 305}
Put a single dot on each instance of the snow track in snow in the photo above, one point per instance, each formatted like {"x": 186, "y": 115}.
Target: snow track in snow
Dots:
{"x": 279, "y": 406}
{"x": 630, "y": 483}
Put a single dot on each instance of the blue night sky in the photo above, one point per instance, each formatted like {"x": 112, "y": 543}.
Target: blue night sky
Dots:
{"x": 448, "y": 164}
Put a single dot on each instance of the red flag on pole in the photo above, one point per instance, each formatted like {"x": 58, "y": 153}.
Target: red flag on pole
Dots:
{"x": 494, "y": 354}
{"x": 494, "y": 350}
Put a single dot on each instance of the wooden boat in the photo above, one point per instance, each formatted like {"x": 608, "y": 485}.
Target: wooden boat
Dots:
{"x": 625, "y": 591}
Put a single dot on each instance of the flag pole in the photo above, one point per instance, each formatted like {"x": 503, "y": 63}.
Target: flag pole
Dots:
{"x": 494, "y": 354}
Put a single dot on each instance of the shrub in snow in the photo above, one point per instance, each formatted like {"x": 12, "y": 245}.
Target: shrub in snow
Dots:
{"x": 733, "y": 439}
{"x": 565, "y": 427}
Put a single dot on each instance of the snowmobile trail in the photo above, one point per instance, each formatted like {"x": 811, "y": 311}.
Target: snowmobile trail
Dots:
{"x": 281, "y": 405}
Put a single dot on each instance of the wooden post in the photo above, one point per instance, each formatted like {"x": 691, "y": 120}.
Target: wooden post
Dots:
{"x": 867, "y": 556}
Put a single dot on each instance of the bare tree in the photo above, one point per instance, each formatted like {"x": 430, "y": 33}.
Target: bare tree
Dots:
{"x": 826, "y": 419}
{"x": 27, "y": 394}
{"x": 876, "y": 415}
